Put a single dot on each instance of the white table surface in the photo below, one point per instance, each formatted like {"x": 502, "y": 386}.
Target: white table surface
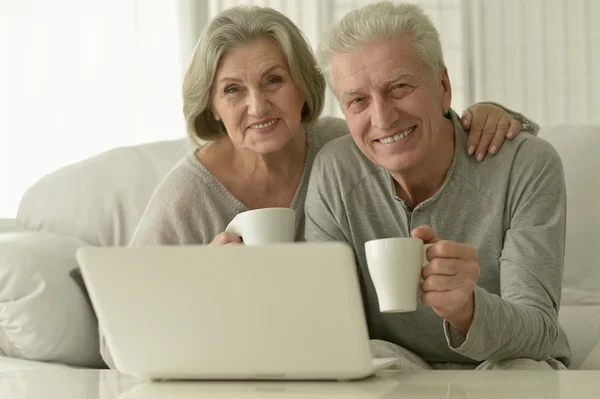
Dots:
{"x": 65, "y": 383}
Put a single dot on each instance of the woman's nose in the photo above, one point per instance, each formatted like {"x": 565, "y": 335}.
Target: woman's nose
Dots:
{"x": 258, "y": 104}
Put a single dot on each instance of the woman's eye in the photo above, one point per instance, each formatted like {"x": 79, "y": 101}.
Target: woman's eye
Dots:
{"x": 275, "y": 79}
{"x": 231, "y": 90}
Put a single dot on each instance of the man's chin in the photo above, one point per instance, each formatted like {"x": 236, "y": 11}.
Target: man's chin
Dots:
{"x": 396, "y": 164}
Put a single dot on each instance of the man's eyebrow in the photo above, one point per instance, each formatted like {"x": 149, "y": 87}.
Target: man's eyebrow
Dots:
{"x": 348, "y": 92}
{"x": 394, "y": 78}
{"x": 397, "y": 76}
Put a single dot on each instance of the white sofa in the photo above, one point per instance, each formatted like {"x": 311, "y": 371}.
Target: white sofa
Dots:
{"x": 100, "y": 200}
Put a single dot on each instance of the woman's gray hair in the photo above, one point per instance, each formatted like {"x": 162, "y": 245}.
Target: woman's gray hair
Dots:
{"x": 236, "y": 27}
{"x": 381, "y": 20}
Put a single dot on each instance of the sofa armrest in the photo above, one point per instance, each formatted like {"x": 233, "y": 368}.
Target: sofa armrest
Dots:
{"x": 9, "y": 226}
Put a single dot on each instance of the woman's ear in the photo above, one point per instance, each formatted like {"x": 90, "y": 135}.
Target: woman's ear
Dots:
{"x": 215, "y": 114}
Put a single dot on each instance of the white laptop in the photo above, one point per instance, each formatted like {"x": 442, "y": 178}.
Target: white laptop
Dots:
{"x": 278, "y": 312}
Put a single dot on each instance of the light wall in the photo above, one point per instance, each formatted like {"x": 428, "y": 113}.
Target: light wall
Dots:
{"x": 539, "y": 56}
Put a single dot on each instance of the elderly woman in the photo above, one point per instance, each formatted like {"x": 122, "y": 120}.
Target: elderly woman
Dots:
{"x": 252, "y": 100}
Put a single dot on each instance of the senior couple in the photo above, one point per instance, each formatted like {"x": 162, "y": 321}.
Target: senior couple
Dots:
{"x": 409, "y": 166}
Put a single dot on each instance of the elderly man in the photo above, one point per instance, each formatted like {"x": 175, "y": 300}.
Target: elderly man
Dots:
{"x": 490, "y": 295}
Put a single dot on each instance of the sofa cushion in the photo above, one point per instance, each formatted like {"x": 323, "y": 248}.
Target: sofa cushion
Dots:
{"x": 592, "y": 362}
{"x": 10, "y": 226}
{"x": 577, "y": 147}
{"x": 43, "y": 314}
{"x": 580, "y": 306}
{"x": 101, "y": 199}
{"x": 582, "y": 326}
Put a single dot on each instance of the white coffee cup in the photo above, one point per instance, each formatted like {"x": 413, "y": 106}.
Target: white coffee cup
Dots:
{"x": 264, "y": 226}
{"x": 395, "y": 266}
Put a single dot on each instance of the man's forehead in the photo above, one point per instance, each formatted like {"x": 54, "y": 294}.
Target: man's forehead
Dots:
{"x": 386, "y": 64}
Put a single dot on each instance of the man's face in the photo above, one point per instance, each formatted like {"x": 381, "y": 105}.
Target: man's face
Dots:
{"x": 392, "y": 102}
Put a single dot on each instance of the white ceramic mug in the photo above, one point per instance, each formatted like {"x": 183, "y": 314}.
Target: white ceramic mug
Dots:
{"x": 264, "y": 226}
{"x": 395, "y": 266}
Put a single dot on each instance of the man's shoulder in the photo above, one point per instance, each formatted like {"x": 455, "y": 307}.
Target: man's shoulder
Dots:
{"x": 342, "y": 165}
{"x": 342, "y": 152}
{"x": 519, "y": 162}
{"x": 523, "y": 152}
{"x": 538, "y": 145}
{"x": 529, "y": 151}
{"x": 328, "y": 128}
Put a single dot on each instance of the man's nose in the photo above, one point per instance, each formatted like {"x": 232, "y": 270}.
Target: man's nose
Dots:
{"x": 384, "y": 114}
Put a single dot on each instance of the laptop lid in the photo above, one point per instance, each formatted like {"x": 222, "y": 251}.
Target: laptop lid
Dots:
{"x": 284, "y": 311}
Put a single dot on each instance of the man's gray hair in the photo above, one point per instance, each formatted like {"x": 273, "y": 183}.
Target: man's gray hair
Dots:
{"x": 236, "y": 27}
{"x": 381, "y": 20}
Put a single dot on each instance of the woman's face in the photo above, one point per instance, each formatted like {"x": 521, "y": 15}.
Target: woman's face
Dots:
{"x": 253, "y": 94}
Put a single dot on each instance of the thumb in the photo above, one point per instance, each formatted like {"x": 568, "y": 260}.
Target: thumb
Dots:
{"x": 426, "y": 234}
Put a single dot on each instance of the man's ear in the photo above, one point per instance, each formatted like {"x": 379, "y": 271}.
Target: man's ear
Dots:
{"x": 446, "y": 88}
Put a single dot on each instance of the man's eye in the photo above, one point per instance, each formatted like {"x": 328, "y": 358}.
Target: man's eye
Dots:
{"x": 357, "y": 100}
{"x": 400, "y": 86}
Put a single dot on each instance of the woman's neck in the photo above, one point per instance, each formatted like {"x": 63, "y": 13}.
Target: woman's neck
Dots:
{"x": 285, "y": 162}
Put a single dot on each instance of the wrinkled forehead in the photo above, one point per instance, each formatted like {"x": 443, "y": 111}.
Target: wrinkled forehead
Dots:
{"x": 377, "y": 64}
{"x": 256, "y": 56}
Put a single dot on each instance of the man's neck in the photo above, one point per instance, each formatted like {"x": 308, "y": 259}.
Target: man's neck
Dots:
{"x": 426, "y": 178}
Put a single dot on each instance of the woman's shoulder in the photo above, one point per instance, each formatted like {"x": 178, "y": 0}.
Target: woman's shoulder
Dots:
{"x": 187, "y": 179}
{"x": 183, "y": 207}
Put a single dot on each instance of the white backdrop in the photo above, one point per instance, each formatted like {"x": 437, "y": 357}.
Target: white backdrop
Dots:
{"x": 78, "y": 77}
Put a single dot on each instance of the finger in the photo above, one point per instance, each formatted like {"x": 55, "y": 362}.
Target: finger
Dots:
{"x": 513, "y": 129}
{"x": 489, "y": 130}
{"x": 477, "y": 125}
{"x": 225, "y": 238}
{"x": 452, "y": 250}
{"x": 441, "y": 267}
{"x": 467, "y": 270}
{"x": 218, "y": 240}
{"x": 500, "y": 135}
{"x": 466, "y": 118}
{"x": 425, "y": 233}
{"x": 447, "y": 301}
{"x": 232, "y": 238}
{"x": 437, "y": 282}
